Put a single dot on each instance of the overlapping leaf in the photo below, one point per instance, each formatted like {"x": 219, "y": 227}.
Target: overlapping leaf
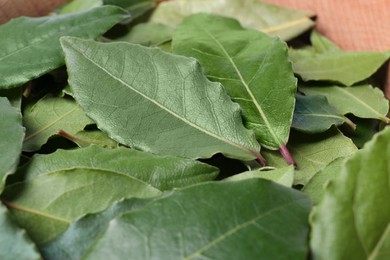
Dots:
{"x": 155, "y": 101}
{"x": 47, "y": 117}
{"x": 313, "y": 114}
{"x": 264, "y": 220}
{"x": 363, "y": 101}
{"x": 86, "y": 138}
{"x": 14, "y": 243}
{"x": 252, "y": 66}
{"x": 135, "y": 7}
{"x": 271, "y": 19}
{"x": 80, "y": 5}
{"x": 11, "y": 138}
{"x": 31, "y": 47}
{"x": 353, "y": 219}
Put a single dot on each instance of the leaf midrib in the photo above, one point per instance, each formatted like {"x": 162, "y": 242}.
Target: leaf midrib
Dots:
{"x": 166, "y": 109}
{"x": 284, "y": 26}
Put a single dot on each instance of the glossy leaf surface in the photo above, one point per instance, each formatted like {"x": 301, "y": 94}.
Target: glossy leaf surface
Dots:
{"x": 155, "y": 101}
{"x": 11, "y": 138}
{"x": 271, "y": 19}
{"x": 31, "y": 47}
{"x": 264, "y": 220}
{"x": 353, "y": 219}
{"x": 251, "y": 65}
{"x": 363, "y": 101}
{"x": 313, "y": 114}
{"x": 48, "y": 116}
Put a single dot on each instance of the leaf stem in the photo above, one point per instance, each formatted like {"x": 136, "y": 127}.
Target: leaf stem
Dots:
{"x": 287, "y": 155}
{"x": 260, "y": 159}
{"x": 69, "y": 136}
{"x": 351, "y": 124}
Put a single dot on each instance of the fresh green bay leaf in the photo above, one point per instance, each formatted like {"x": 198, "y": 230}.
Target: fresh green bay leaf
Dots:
{"x": 155, "y": 101}
{"x": 136, "y": 8}
{"x": 313, "y": 114}
{"x": 162, "y": 172}
{"x": 353, "y": 219}
{"x": 313, "y": 152}
{"x": 80, "y": 5}
{"x": 48, "y": 116}
{"x": 14, "y": 243}
{"x": 11, "y": 139}
{"x": 31, "y": 47}
{"x": 261, "y": 220}
{"x": 363, "y": 101}
{"x": 79, "y": 237}
{"x": 274, "y": 20}
{"x": 321, "y": 44}
{"x": 283, "y": 176}
{"x": 251, "y": 65}
{"x": 47, "y": 203}
{"x": 14, "y": 96}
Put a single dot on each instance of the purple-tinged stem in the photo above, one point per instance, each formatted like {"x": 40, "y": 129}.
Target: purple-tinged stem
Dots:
{"x": 260, "y": 159}
{"x": 68, "y": 136}
{"x": 287, "y": 155}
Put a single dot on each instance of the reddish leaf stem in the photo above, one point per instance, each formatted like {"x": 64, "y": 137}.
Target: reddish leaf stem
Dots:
{"x": 287, "y": 155}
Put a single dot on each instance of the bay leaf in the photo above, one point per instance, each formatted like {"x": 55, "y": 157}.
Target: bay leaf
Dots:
{"x": 321, "y": 44}
{"x": 46, "y": 204}
{"x": 155, "y": 101}
{"x": 283, "y": 176}
{"x": 251, "y": 65}
{"x": 85, "y": 138}
{"x": 49, "y": 115}
{"x": 136, "y": 8}
{"x": 363, "y": 101}
{"x": 75, "y": 241}
{"x": 80, "y": 5}
{"x": 353, "y": 219}
{"x": 11, "y": 138}
{"x": 162, "y": 172}
{"x": 31, "y": 47}
{"x": 313, "y": 114}
{"x": 312, "y": 152}
{"x": 262, "y": 220}
{"x": 14, "y": 96}
{"x": 274, "y": 20}
{"x": 14, "y": 243}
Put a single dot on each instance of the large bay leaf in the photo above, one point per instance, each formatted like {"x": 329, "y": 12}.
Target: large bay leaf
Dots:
{"x": 155, "y": 101}
{"x": 251, "y": 65}
{"x": 11, "y": 138}
{"x": 271, "y": 19}
{"x": 45, "y": 203}
{"x": 79, "y": 237}
{"x": 313, "y": 114}
{"x": 363, "y": 101}
{"x": 162, "y": 172}
{"x": 47, "y": 117}
{"x": 313, "y": 152}
{"x": 247, "y": 219}
{"x": 14, "y": 243}
{"x": 353, "y": 219}
{"x": 30, "y": 47}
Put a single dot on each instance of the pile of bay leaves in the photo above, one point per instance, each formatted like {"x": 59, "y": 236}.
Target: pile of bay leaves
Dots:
{"x": 202, "y": 129}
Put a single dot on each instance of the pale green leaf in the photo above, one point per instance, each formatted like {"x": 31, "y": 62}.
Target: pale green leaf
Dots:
{"x": 274, "y": 20}
{"x": 313, "y": 114}
{"x": 283, "y": 176}
{"x": 80, "y": 5}
{"x": 315, "y": 188}
{"x": 155, "y": 101}
{"x": 11, "y": 138}
{"x": 86, "y": 138}
{"x": 59, "y": 188}
{"x": 353, "y": 219}
{"x": 14, "y": 243}
{"x": 162, "y": 172}
{"x": 136, "y": 8}
{"x": 30, "y": 47}
{"x": 313, "y": 153}
{"x": 75, "y": 241}
{"x": 363, "y": 101}
{"x": 251, "y": 65}
{"x": 249, "y": 219}
{"x": 14, "y": 96}
{"x": 321, "y": 44}
{"x": 47, "y": 117}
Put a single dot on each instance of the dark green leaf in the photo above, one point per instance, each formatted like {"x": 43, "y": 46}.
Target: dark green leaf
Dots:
{"x": 274, "y": 20}
{"x": 251, "y": 65}
{"x": 353, "y": 219}
{"x": 155, "y": 101}
{"x": 247, "y": 219}
{"x": 14, "y": 243}
{"x": 47, "y": 117}
{"x": 11, "y": 138}
{"x": 30, "y": 47}
{"x": 313, "y": 114}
